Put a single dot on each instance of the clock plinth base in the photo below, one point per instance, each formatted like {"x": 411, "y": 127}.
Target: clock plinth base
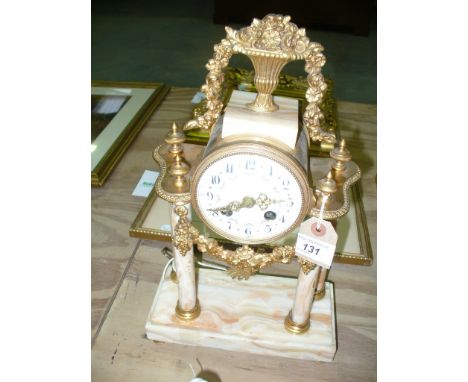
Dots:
{"x": 246, "y": 316}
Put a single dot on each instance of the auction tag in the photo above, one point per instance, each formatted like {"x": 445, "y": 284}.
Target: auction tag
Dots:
{"x": 317, "y": 245}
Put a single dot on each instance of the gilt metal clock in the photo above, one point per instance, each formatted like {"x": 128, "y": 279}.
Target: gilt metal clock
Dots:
{"x": 252, "y": 183}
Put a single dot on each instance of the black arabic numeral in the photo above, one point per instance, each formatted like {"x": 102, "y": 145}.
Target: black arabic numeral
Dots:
{"x": 250, "y": 164}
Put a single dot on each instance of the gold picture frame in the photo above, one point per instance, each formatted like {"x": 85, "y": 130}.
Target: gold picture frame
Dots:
{"x": 119, "y": 110}
{"x": 288, "y": 86}
{"x": 353, "y": 247}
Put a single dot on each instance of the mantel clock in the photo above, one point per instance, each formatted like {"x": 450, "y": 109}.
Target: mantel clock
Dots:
{"x": 252, "y": 185}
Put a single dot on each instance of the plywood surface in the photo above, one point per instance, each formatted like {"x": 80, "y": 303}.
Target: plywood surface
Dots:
{"x": 126, "y": 272}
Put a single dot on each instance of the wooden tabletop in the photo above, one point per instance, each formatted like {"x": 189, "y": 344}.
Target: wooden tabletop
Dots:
{"x": 126, "y": 272}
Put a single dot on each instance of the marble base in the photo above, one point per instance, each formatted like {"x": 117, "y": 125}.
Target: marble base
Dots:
{"x": 246, "y": 316}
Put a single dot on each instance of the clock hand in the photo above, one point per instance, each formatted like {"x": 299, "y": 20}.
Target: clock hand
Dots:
{"x": 263, "y": 201}
{"x": 247, "y": 202}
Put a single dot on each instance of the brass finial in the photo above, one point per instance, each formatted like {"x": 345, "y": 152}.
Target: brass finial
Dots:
{"x": 179, "y": 167}
{"x": 175, "y": 138}
{"x": 327, "y": 184}
{"x": 341, "y": 155}
{"x": 325, "y": 187}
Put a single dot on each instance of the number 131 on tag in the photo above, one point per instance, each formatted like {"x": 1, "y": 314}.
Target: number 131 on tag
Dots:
{"x": 317, "y": 243}
{"x": 309, "y": 248}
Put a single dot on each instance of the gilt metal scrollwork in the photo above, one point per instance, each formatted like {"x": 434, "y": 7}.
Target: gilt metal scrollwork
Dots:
{"x": 244, "y": 261}
{"x": 270, "y": 43}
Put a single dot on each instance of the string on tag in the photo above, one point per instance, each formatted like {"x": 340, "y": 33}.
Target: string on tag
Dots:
{"x": 327, "y": 186}
{"x": 325, "y": 197}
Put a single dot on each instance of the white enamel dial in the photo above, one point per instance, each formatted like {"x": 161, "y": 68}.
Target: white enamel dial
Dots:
{"x": 249, "y": 198}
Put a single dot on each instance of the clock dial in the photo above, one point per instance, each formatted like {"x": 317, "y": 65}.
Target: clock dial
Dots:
{"x": 249, "y": 198}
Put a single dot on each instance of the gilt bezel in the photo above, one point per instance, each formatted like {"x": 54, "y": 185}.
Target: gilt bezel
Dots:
{"x": 270, "y": 152}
